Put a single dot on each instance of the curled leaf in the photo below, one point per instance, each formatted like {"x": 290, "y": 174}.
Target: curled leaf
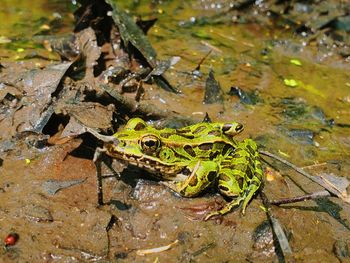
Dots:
{"x": 142, "y": 252}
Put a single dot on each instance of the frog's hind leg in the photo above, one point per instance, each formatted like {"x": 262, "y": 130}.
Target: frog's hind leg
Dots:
{"x": 245, "y": 198}
{"x": 254, "y": 185}
{"x": 235, "y": 203}
{"x": 203, "y": 174}
{"x": 241, "y": 182}
{"x": 230, "y": 186}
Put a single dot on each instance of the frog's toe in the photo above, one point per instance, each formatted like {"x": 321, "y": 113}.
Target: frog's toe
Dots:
{"x": 212, "y": 214}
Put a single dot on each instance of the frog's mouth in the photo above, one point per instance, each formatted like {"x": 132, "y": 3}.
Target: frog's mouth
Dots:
{"x": 153, "y": 166}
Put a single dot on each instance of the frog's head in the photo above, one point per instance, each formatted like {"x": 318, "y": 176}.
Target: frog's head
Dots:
{"x": 136, "y": 139}
{"x": 143, "y": 145}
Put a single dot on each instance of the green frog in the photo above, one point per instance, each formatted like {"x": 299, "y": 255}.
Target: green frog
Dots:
{"x": 191, "y": 159}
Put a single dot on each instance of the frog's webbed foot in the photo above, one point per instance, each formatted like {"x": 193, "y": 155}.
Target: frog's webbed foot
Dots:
{"x": 227, "y": 208}
{"x": 236, "y": 202}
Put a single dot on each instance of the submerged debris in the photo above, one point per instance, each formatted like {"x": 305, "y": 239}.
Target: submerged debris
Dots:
{"x": 249, "y": 98}
{"x": 51, "y": 186}
{"x": 213, "y": 92}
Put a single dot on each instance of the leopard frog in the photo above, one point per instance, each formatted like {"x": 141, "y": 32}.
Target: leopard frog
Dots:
{"x": 193, "y": 158}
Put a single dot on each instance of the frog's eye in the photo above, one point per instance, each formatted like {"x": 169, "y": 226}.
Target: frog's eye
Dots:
{"x": 136, "y": 124}
{"x": 239, "y": 127}
{"x": 232, "y": 128}
{"x": 149, "y": 143}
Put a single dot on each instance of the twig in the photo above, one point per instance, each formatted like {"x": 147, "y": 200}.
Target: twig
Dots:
{"x": 314, "y": 165}
{"x": 202, "y": 60}
{"x": 315, "y": 195}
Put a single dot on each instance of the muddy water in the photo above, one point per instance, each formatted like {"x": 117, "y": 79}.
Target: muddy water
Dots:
{"x": 307, "y": 124}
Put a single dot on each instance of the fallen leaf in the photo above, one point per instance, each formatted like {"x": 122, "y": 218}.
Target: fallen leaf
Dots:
{"x": 143, "y": 252}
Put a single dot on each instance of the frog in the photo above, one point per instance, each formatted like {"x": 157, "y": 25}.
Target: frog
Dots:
{"x": 191, "y": 159}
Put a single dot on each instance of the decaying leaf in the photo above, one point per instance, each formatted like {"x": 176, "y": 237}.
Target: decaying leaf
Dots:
{"x": 143, "y": 252}
{"x": 51, "y": 186}
{"x": 213, "y": 91}
{"x": 338, "y": 183}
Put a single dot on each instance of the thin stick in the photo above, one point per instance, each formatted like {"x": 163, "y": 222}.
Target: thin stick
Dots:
{"x": 276, "y": 226}
{"x": 202, "y": 60}
{"x": 315, "y": 195}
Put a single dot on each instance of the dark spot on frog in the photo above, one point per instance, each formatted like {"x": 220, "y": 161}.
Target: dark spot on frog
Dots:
{"x": 205, "y": 146}
{"x": 189, "y": 150}
{"x": 213, "y": 155}
{"x": 250, "y": 149}
{"x": 249, "y": 174}
{"x": 240, "y": 182}
{"x": 211, "y": 176}
{"x": 187, "y": 136}
{"x": 186, "y": 171}
{"x": 223, "y": 188}
{"x": 226, "y": 148}
{"x": 215, "y": 133}
{"x": 199, "y": 129}
{"x": 140, "y": 126}
{"x": 166, "y": 135}
{"x": 181, "y": 131}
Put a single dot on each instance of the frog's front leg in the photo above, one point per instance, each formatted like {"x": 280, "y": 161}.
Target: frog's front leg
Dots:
{"x": 98, "y": 161}
{"x": 203, "y": 174}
